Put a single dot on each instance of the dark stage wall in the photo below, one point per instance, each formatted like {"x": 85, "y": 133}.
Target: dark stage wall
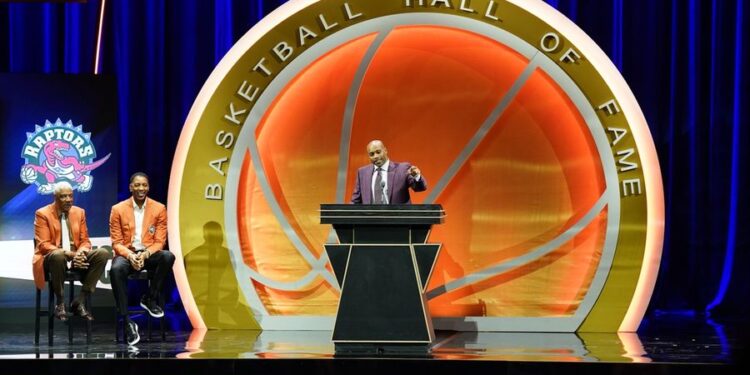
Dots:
{"x": 684, "y": 60}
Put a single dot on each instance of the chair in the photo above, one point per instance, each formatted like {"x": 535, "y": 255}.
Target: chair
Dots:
{"x": 120, "y": 324}
{"x": 70, "y": 278}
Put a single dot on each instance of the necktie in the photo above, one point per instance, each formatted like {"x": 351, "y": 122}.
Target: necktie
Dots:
{"x": 65, "y": 232}
{"x": 378, "y": 192}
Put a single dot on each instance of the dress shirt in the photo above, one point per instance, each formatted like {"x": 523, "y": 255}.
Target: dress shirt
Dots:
{"x": 138, "y": 212}
{"x": 65, "y": 229}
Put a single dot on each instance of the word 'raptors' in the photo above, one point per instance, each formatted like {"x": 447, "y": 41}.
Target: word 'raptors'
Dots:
{"x": 59, "y": 152}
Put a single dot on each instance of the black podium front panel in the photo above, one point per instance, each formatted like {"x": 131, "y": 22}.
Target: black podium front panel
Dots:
{"x": 384, "y": 302}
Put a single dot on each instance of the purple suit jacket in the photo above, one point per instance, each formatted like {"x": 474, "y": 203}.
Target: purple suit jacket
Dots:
{"x": 399, "y": 182}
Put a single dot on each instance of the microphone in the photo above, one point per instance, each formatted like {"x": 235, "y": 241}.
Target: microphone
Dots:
{"x": 385, "y": 191}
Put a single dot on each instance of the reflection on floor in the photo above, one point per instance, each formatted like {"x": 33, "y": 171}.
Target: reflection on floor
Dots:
{"x": 658, "y": 342}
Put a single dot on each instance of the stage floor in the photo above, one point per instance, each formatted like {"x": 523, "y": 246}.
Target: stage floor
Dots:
{"x": 687, "y": 347}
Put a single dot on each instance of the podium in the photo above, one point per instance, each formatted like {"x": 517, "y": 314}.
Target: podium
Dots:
{"x": 382, "y": 264}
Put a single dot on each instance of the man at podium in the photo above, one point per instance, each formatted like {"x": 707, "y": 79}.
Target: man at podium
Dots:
{"x": 384, "y": 181}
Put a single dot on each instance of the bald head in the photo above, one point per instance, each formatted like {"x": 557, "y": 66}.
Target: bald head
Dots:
{"x": 377, "y": 153}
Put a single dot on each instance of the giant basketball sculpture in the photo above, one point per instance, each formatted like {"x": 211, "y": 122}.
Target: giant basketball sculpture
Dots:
{"x": 530, "y": 138}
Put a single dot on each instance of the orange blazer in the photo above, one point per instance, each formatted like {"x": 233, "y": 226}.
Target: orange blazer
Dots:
{"x": 48, "y": 235}
{"x": 122, "y": 226}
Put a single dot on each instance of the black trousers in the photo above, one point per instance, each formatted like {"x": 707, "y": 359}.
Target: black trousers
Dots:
{"x": 158, "y": 265}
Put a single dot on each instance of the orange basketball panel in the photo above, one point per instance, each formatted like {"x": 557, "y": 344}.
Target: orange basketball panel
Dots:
{"x": 515, "y": 193}
{"x": 298, "y": 140}
{"x": 426, "y": 92}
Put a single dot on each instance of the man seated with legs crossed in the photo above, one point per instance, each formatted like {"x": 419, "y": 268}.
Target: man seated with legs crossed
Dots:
{"x": 61, "y": 236}
{"x": 138, "y": 229}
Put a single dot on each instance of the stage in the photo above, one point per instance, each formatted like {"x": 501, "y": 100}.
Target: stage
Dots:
{"x": 666, "y": 345}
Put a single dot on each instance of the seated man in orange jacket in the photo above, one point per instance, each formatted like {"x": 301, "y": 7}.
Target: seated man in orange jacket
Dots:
{"x": 61, "y": 235}
{"x": 138, "y": 229}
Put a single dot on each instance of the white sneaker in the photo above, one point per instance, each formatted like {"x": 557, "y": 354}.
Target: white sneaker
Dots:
{"x": 131, "y": 333}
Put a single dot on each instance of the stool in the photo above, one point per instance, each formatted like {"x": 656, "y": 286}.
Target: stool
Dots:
{"x": 120, "y": 322}
{"x": 70, "y": 277}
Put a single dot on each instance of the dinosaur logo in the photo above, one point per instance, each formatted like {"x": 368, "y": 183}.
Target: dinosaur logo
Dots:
{"x": 59, "y": 152}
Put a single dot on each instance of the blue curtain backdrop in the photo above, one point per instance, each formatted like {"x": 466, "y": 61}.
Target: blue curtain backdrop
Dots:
{"x": 684, "y": 59}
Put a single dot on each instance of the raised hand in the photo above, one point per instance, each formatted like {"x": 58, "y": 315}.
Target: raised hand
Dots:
{"x": 414, "y": 171}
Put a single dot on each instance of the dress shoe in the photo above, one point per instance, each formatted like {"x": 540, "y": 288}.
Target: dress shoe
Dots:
{"x": 131, "y": 333}
{"x": 150, "y": 305}
{"x": 80, "y": 310}
{"x": 60, "y": 312}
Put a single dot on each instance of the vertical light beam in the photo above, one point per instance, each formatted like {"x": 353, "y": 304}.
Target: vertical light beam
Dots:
{"x": 99, "y": 36}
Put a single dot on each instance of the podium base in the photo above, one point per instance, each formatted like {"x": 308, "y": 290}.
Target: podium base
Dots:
{"x": 382, "y": 350}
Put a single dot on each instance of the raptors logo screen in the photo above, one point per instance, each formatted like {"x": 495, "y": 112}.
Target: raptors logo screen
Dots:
{"x": 56, "y": 128}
